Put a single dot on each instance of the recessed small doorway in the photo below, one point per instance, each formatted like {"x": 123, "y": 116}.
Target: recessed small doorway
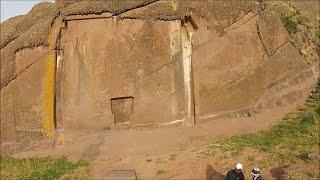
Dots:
{"x": 122, "y": 109}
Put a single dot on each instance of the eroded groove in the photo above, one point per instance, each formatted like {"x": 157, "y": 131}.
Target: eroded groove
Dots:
{"x": 8, "y": 82}
{"x": 260, "y": 38}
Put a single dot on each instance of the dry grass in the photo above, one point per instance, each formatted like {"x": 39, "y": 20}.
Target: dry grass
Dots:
{"x": 285, "y": 143}
{"x": 16, "y": 26}
{"x": 97, "y": 7}
{"x": 219, "y": 14}
{"x": 159, "y": 11}
{"x": 43, "y": 168}
{"x": 304, "y": 31}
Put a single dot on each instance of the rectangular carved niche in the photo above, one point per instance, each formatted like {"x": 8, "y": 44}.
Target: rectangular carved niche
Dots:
{"x": 122, "y": 109}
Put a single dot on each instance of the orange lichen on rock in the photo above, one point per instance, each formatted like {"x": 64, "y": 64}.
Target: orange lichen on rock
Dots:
{"x": 49, "y": 90}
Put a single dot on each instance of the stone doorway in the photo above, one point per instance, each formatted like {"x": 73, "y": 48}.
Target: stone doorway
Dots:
{"x": 122, "y": 109}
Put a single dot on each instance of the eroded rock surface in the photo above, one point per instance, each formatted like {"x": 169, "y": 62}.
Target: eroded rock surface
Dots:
{"x": 167, "y": 62}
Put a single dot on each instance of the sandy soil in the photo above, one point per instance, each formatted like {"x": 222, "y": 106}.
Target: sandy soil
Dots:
{"x": 172, "y": 149}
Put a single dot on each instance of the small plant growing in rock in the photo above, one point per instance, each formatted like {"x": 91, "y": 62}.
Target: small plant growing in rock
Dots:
{"x": 173, "y": 157}
{"x": 290, "y": 24}
{"x": 161, "y": 172}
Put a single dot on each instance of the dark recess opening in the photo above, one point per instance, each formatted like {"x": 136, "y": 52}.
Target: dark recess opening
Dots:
{"x": 189, "y": 19}
{"x": 122, "y": 109}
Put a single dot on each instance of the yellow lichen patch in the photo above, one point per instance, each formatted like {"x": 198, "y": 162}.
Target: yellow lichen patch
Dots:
{"x": 49, "y": 93}
{"x": 49, "y": 88}
{"x": 174, "y": 5}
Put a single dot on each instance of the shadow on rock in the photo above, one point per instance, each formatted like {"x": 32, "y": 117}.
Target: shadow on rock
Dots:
{"x": 212, "y": 174}
{"x": 277, "y": 172}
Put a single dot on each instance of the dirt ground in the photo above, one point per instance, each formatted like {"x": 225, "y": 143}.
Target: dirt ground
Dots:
{"x": 165, "y": 153}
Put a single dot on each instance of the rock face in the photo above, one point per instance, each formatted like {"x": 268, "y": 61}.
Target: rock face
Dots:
{"x": 148, "y": 63}
{"x": 118, "y": 60}
{"x": 273, "y": 35}
{"x": 22, "y": 99}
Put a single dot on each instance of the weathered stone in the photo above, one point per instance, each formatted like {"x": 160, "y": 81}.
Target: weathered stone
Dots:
{"x": 291, "y": 169}
{"x": 271, "y": 32}
{"x": 7, "y": 114}
{"x": 134, "y": 59}
{"x": 250, "y": 88}
{"x": 293, "y": 96}
{"x": 223, "y": 61}
{"x": 120, "y": 175}
{"x": 29, "y": 99}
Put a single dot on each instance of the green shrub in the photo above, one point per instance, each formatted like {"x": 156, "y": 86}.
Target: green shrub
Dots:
{"x": 290, "y": 25}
